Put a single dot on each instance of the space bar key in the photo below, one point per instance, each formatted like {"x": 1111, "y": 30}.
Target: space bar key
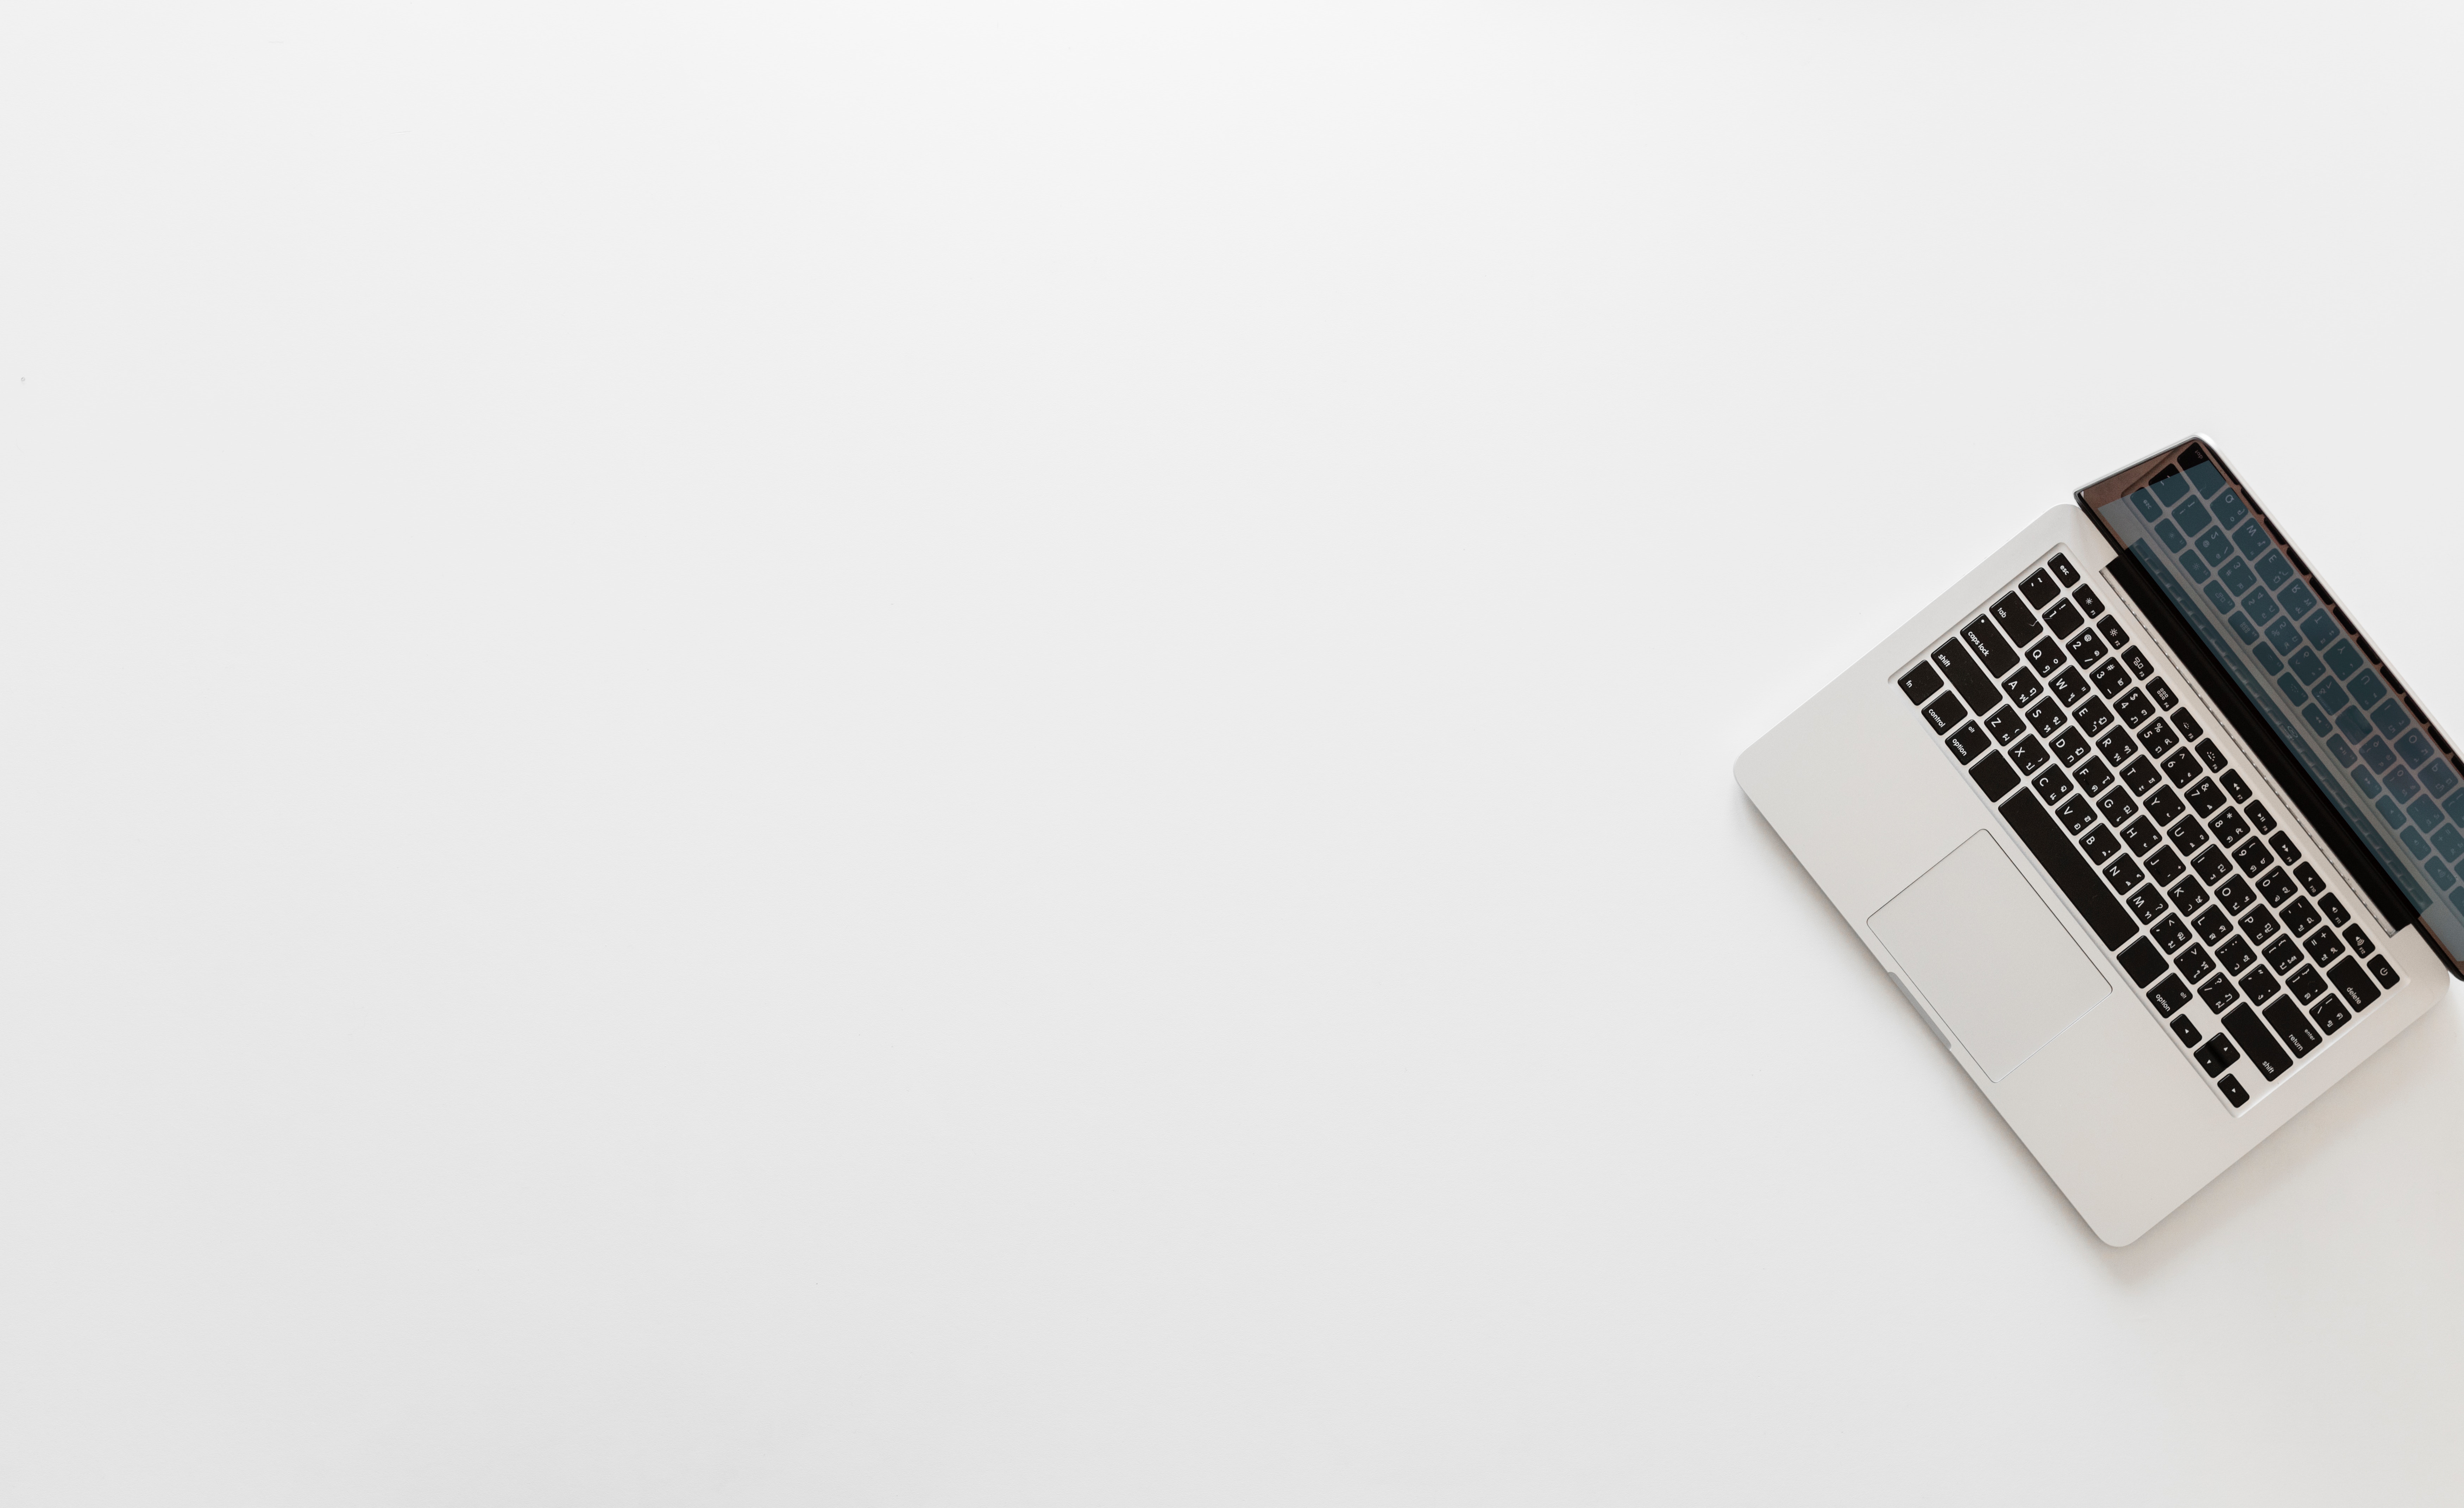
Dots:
{"x": 2043, "y": 835}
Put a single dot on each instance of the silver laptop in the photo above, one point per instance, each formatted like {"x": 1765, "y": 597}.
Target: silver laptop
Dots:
{"x": 2145, "y": 826}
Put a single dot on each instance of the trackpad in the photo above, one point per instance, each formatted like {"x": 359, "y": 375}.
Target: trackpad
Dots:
{"x": 1977, "y": 942}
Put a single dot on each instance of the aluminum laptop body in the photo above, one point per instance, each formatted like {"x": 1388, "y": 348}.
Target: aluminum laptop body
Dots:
{"x": 2143, "y": 825}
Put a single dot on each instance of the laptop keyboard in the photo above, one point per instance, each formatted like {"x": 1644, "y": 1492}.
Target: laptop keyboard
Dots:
{"x": 2150, "y": 827}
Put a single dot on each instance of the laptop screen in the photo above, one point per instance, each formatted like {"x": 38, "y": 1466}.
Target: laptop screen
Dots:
{"x": 2273, "y": 627}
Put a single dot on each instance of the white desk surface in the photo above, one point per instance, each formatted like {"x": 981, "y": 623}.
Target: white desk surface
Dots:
{"x": 907, "y": 754}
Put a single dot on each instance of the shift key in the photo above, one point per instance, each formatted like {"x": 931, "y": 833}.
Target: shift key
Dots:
{"x": 2255, "y": 1042}
{"x": 1974, "y": 686}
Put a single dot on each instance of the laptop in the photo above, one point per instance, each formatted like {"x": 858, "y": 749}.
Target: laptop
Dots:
{"x": 2143, "y": 825}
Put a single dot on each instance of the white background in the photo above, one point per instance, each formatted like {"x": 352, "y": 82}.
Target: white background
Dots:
{"x": 929, "y": 755}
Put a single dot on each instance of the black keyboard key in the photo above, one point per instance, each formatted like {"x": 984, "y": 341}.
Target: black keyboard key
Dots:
{"x": 2298, "y": 915}
{"x": 2204, "y": 797}
{"x": 2194, "y": 963}
{"x": 2210, "y": 754}
{"x": 2235, "y": 1094}
{"x": 2228, "y": 827}
{"x": 2323, "y": 947}
{"x": 2116, "y": 746}
{"x": 2104, "y": 916}
{"x": 2293, "y": 1027}
{"x": 2111, "y": 679}
{"x": 2235, "y": 786}
{"x": 2111, "y": 628}
{"x": 1921, "y": 683}
{"x": 2070, "y": 746}
{"x": 2093, "y": 776}
{"x": 2276, "y": 887}
{"x": 2252, "y": 855}
{"x": 2259, "y": 985}
{"x": 2183, "y": 721}
{"x": 2053, "y": 785}
{"x": 2310, "y": 879}
{"x": 2331, "y": 1016}
{"x": 2188, "y": 895}
{"x": 2158, "y": 739}
{"x": 2124, "y": 874}
{"x": 2282, "y": 956}
{"x": 2064, "y": 621}
{"x": 2092, "y": 716}
{"x": 2044, "y": 657}
{"x": 2068, "y": 685}
{"x": 2165, "y": 806}
{"x": 2181, "y": 768}
{"x": 1974, "y": 686}
{"x": 2039, "y": 588}
{"x": 2142, "y": 962}
{"x": 2022, "y": 686}
{"x": 2089, "y": 602}
{"x": 1968, "y": 742}
{"x": 2235, "y": 895}
{"x": 2076, "y": 813}
{"x": 2165, "y": 698}
{"x": 2359, "y": 991}
{"x": 2283, "y": 847}
{"x": 2219, "y": 992}
{"x": 2187, "y": 1030}
{"x": 1994, "y": 775}
{"x": 2029, "y": 755}
{"x": 2169, "y": 995}
{"x": 2044, "y": 717}
{"x": 2117, "y": 805}
{"x": 2188, "y": 835}
{"x": 2084, "y": 648}
{"x": 1945, "y": 712}
{"x": 2141, "y": 835}
{"x": 2254, "y": 1040}
{"x": 2004, "y": 724}
{"x": 2063, "y": 571}
{"x": 1992, "y": 651}
{"x": 2164, "y": 865}
{"x": 2011, "y": 615}
{"x": 2101, "y": 845}
{"x": 2138, "y": 662}
{"x": 2261, "y": 819}
{"x": 2383, "y": 972}
{"x": 2146, "y": 902}
{"x": 2335, "y": 911}
{"x": 2306, "y": 985}
{"x": 2134, "y": 709}
{"x": 2214, "y": 925}
{"x": 2171, "y": 934}
{"x": 2234, "y": 955}
{"x": 2358, "y": 942}
{"x": 2217, "y": 1054}
{"x": 2139, "y": 775}
{"x": 2212, "y": 865}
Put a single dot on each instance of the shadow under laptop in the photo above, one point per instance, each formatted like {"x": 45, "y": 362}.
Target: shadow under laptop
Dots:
{"x": 2426, "y": 1060}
